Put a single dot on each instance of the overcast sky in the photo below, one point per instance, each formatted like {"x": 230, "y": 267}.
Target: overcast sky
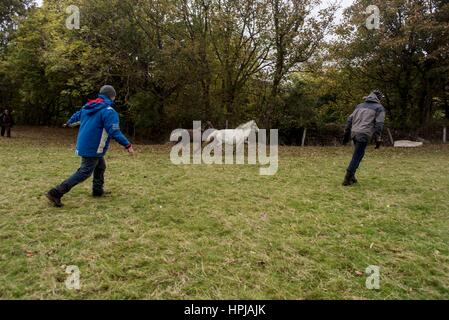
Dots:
{"x": 344, "y": 4}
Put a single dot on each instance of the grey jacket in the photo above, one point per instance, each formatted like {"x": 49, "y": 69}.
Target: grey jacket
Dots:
{"x": 367, "y": 119}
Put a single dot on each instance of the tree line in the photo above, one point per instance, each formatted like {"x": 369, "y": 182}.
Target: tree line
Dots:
{"x": 284, "y": 63}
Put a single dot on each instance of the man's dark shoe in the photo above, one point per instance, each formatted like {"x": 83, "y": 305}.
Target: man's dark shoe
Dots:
{"x": 97, "y": 193}
{"x": 54, "y": 197}
{"x": 349, "y": 179}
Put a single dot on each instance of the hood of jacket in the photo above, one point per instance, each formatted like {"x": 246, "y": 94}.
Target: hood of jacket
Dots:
{"x": 93, "y": 106}
{"x": 372, "y": 97}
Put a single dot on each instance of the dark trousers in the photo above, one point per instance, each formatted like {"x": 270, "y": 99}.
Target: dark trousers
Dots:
{"x": 359, "y": 153}
{"x": 7, "y": 130}
{"x": 89, "y": 166}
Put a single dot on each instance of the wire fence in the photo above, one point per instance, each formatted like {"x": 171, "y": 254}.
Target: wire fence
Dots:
{"x": 332, "y": 135}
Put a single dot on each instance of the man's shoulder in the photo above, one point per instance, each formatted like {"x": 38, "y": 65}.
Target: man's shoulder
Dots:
{"x": 378, "y": 107}
{"x": 359, "y": 106}
{"x": 371, "y": 105}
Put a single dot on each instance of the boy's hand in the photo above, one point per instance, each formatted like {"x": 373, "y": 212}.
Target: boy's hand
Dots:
{"x": 130, "y": 150}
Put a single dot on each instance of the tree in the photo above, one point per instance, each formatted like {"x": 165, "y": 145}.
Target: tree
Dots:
{"x": 407, "y": 57}
{"x": 10, "y": 12}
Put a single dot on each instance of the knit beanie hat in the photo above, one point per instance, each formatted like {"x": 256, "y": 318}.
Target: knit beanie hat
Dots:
{"x": 108, "y": 91}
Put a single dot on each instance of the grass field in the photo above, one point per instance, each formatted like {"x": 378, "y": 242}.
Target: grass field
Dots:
{"x": 223, "y": 232}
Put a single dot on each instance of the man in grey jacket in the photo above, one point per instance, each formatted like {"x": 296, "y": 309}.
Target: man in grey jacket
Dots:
{"x": 366, "y": 122}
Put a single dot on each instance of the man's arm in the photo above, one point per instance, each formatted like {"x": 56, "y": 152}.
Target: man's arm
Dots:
{"x": 112, "y": 127}
{"x": 379, "y": 122}
{"x": 347, "y": 136}
{"x": 379, "y": 126}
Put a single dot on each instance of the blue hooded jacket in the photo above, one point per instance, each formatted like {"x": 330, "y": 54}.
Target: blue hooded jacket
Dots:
{"x": 99, "y": 122}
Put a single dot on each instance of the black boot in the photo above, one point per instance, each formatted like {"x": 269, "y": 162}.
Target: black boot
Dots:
{"x": 55, "y": 197}
{"x": 349, "y": 179}
{"x": 97, "y": 193}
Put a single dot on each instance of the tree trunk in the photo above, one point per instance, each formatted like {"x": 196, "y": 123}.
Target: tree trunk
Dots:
{"x": 446, "y": 109}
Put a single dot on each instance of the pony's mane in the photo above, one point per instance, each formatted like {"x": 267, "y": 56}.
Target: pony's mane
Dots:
{"x": 246, "y": 125}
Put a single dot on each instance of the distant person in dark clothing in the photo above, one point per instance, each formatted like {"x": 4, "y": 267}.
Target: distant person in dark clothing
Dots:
{"x": 6, "y": 122}
{"x": 366, "y": 122}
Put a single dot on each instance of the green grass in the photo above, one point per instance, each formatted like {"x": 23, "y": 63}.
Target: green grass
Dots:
{"x": 224, "y": 232}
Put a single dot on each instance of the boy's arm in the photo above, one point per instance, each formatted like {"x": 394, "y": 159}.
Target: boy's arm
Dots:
{"x": 74, "y": 120}
{"x": 112, "y": 127}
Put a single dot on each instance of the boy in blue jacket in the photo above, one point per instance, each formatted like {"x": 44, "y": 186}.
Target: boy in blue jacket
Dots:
{"x": 99, "y": 122}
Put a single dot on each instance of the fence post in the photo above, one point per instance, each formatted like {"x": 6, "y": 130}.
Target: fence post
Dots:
{"x": 445, "y": 135}
{"x": 303, "y": 142}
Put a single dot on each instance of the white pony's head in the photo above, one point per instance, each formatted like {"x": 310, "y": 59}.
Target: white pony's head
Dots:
{"x": 249, "y": 125}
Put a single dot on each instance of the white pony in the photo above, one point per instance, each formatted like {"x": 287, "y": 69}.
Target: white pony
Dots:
{"x": 233, "y": 136}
